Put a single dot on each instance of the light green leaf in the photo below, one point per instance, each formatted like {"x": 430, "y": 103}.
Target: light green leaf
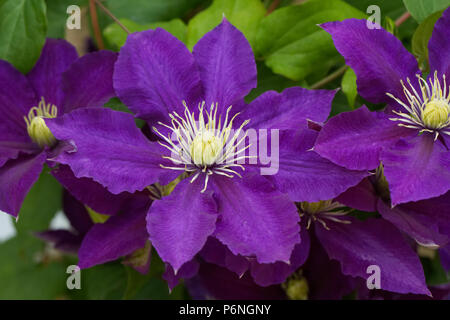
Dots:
{"x": 40, "y": 205}
{"x": 116, "y": 36}
{"x": 243, "y": 14}
{"x": 349, "y": 86}
{"x": 293, "y": 45}
{"x": 421, "y": 38}
{"x": 23, "y": 26}
{"x": 420, "y": 9}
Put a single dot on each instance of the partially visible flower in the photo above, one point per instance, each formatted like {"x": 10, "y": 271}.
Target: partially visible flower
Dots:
{"x": 412, "y": 138}
{"x": 58, "y": 84}
{"x": 121, "y": 232}
{"x": 198, "y": 98}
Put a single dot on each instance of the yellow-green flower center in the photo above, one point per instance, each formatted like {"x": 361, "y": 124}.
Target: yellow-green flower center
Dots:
{"x": 205, "y": 148}
{"x": 435, "y": 113}
{"x": 36, "y": 127}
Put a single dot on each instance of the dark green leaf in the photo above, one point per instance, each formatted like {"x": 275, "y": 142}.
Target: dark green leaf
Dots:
{"x": 23, "y": 26}
{"x": 293, "y": 45}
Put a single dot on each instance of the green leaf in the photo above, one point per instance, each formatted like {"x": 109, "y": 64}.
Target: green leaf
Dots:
{"x": 293, "y": 45}
{"x": 22, "y": 278}
{"x": 243, "y": 14}
{"x": 23, "y": 26}
{"x": 116, "y": 36}
{"x": 420, "y": 9}
{"x": 145, "y": 11}
{"x": 106, "y": 281}
{"x": 421, "y": 38}
{"x": 349, "y": 86}
{"x": 40, "y": 205}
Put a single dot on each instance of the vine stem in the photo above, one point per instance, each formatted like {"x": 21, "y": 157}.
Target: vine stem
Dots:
{"x": 95, "y": 25}
{"x": 402, "y": 19}
{"x": 273, "y": 6}
{"x": 339, "y": 72}
{"x": 109, "y": 13}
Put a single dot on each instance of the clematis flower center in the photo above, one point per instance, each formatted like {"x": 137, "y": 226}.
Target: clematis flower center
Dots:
{"x": 427, "y": 110}
{"x": 435, "y": 113}
{"x": 204, "y": 145}
{"x": 36, "y": 127}
{"x": 321, "y": 211}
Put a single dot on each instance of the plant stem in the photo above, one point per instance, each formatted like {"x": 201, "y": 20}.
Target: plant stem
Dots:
{"x": 339, "y": 72}
{"x": 109, "y": 13}
{"x": 402, "y": 19}
{"x": 273, "y": 6}
{"x": 95, "y": 25}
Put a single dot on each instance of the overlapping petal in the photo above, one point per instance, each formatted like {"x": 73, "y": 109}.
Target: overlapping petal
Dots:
{"x": 374, "y": 242}
{"x": 355, "y": 139}
{"x": 109, "y": 148}
{"x": 88, "y": 81}
{"x": 180, "y": 223}
{"x": 154, "y": 73}
{"x": 17, "y": 176}
{"x": 288, "y": 110}
{"x": 46, "y": 75}
{"x": 417, "y": 169}
{"x": 378, "y": 58}
{"x": 306, "y": 176}
{"x": 255, "y": 218}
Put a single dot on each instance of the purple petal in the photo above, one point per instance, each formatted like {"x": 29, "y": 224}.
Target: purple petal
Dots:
{"x": 216, "y": 252}
{"x": 288, "y": 110}
{"x": 417, "y": 169}
{"x": 355, "y": 139}
{"x": 140, "y": 259}
{"x": 180, "y": 223}
{"x": 427, "y": 221}
{"x": 77, "y": 214}
{"x": 16, "y": 98}
{"x": 439, "y": 46}
{"x": 374, "y": 242}
{"x": 154, "y": 73}
{"x": 89, "y": 192}
{"x": 276, "y": 273}
{"x": 46, "y": 76}
{"x": 109, "y": 148}
{"x": 361, "y": 197}
{"x": 62, "y": 240}
{"x": 324, "y": 276}
{"x": 378, "y": 58}
{"x": 256, "y": 219}
{"x": 17, "y": 176}
{"x": 227, "y": 65}
{"x": 119, "y": 236}
{"x": 187, "y": 271}
{"x": 306, "y": 176}
{"x": 88, "y": 81}
{"x": 214, "y": 282}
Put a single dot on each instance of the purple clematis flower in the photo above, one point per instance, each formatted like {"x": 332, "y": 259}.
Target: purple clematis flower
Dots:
{"x": 122, "y": 234}
{"x": 162, "y": 82}
{"x": 425, "y": 221}
{"x": 412, "y": 137}
{"x": 58, "y": 84}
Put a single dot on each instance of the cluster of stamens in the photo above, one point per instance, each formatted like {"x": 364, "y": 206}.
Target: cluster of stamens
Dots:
{"x": 427, "y": 110}
{"x": 321, "y": 211}
{"x": 204, "y": 146}
{"x": 36, "y": 127}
